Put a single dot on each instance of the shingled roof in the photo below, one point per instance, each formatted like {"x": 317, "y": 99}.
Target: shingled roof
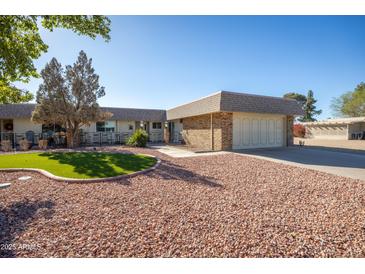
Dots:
{"x": 220, "y": 101}
{"x": 11, "y": 111}
{"x": 137, "y": 114}
{"x": 236, "y": 102}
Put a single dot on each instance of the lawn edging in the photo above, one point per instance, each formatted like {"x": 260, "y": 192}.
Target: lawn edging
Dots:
{"x": 93, "y": 180}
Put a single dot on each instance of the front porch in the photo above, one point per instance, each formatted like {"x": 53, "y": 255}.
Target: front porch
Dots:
{"x": 58, "y": 139}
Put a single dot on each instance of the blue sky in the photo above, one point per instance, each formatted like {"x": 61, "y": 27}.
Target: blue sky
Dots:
{"x": 164, "y": 61}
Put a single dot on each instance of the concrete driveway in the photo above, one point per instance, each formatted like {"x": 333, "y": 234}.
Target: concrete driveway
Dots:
{"x": 345, "y": 164}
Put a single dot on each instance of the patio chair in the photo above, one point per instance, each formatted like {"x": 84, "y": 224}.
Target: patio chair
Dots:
{"x": 29, "y": 135}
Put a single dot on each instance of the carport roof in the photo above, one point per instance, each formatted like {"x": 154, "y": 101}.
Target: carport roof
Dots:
{"x": 342, "y": 121}
{"x": 236, "y": 102}
{"x": 11, "y": 111}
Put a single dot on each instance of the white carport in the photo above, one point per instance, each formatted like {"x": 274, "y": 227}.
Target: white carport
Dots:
{"x": 338, "y": 129}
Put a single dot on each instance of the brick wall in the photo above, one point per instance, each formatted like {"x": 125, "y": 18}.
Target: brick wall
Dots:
{"x": 289, "y": 126}
{"x": 197, "y": 132}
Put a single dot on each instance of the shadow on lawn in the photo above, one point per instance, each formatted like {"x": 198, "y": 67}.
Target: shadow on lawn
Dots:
{"x": 14, "y": 220}
{"x": 100, "y": 164}
{"x": 170, "y": 171}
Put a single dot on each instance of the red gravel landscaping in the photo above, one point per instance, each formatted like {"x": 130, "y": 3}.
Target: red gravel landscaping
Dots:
{"x": 211, "y": 206}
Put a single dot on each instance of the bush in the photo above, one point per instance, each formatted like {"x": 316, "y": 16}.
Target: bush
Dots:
{"x": 299, "y": 130}
{"x": 138, "y": 139}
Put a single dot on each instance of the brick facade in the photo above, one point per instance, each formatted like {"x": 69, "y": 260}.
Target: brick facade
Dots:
{"x": 289, "y": 130}
{"x": 209, "y": 131}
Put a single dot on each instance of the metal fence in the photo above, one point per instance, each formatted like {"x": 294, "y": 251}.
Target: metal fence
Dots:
{"x": 103, "y": 138}
{"x": 54, "y": 140}
{"x": 86, "y": 138}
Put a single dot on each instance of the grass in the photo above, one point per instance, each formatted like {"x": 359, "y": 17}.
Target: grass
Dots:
{"x": 80, "y": 165}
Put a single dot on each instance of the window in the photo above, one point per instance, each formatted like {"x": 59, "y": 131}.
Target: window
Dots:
{"x": 156, "y": 125}
{"x": 130, "y": 127}
{"x": 107, "y": 126}
{"x": 52, "y": 128}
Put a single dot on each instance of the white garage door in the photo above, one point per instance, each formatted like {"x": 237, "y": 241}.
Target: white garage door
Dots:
{"x": 257, "y": 131}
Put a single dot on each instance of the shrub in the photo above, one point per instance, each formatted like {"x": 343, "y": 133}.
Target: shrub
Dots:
{"x": 299, "y": 130}
{"x": 138, "y": 139}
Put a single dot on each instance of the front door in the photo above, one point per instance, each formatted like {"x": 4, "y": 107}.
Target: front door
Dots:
{"x": 146, "y": 127}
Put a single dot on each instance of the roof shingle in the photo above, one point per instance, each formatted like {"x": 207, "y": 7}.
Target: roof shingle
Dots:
{"x": 220, "y": 101}
{"x": 11, "y": 111}
{"x": 236, "y": 102}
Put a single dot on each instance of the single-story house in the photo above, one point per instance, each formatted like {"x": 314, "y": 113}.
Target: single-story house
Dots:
{"x": 229, "y": 120}
{"x": 221, "y": 121}
{"x": 336, "y": 129}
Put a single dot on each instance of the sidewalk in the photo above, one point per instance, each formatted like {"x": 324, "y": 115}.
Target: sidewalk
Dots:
{"x": 177, "y": 152}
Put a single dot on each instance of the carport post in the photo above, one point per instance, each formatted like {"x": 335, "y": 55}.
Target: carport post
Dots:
{"x": 349, "y": 135}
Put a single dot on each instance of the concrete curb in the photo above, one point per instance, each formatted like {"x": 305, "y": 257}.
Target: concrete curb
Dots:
{"x": 96, "y": 180}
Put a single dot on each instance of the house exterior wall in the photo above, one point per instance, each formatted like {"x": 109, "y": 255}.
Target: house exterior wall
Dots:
{"x": 91, "y": 128}
{"x": 209, "y": 131}
{"x": 25, "y": 124}
{"x": 123, "y": 126}
{"x": 223, "y": 130}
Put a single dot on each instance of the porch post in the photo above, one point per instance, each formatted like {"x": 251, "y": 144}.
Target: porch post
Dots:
{"x": 211, "y": 131}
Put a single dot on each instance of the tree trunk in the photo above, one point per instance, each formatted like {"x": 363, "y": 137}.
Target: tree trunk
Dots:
{"x": 69, "y": 138}
{"x": 72, "y": 138}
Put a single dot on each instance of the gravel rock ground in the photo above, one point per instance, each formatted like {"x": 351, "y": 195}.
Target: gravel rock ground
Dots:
{"x": 210, "y": 206}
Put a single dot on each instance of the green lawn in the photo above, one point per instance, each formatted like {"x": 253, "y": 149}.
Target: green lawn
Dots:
{"x": 79, "y": 164}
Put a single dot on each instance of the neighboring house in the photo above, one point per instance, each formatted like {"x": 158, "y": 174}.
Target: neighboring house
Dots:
{"x": 340, "y": 129}
{"x": 221, "y": 121}
{"x": 228, "y": 120}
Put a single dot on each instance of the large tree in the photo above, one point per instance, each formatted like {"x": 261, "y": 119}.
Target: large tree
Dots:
{"x": 308, "y": 104}
{"x": 296, "y": 96}
{"x": 310, "y": 109}
{"x": 69, "y": 97}
{"x": 350, "y": 104}
{"x": 21, "y": 43}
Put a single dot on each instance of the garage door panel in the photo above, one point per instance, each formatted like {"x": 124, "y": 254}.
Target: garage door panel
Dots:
{"x": 236, "y": 132}
{"x": 251, "y": 131}
{"x": 263, "y": 132}
{"x": 246, "y": 131}
{"x": 271, "y": 132}
{"x": 279, "y": 132}
{"x": 255, "y": 132}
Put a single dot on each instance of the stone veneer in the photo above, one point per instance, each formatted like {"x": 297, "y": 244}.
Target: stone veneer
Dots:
{"x": 197, "y": 131}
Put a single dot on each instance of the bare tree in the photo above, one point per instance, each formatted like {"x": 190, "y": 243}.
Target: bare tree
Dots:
{"x": 69, "y": 97}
